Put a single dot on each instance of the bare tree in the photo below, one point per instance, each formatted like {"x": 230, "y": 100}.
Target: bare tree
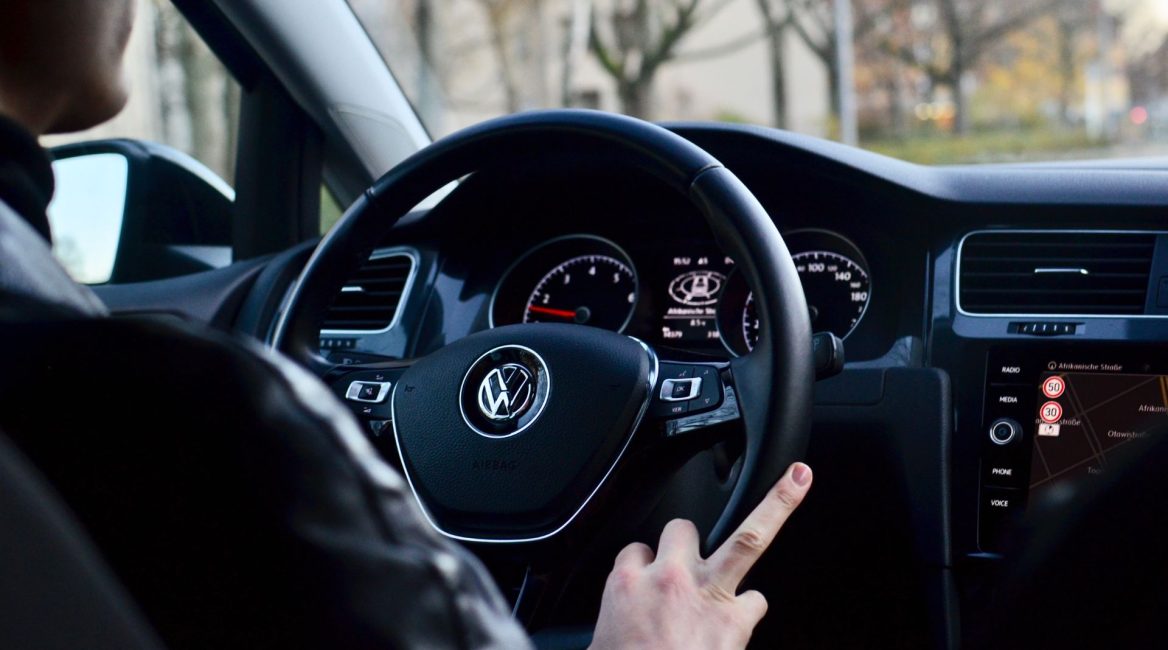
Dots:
{"x": 199, "y": 102}
{"x": 499, "y": 15}
{"x": 637, "y": 38}
{"x": 955, "y": 37}
{"x": 776, "y": 20}
{"x": 1071, "y": 19}
{"x": 813, "y": 21}
{"x": 429, "y": 98}
{"x": 575, "y": 47}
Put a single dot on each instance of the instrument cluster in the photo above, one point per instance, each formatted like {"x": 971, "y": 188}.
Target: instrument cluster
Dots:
{"x": 681, "y": 294}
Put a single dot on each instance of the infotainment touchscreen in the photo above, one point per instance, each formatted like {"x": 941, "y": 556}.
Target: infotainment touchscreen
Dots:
{"x": 1061, "y": 413}
{"x": 1087, "y": 411}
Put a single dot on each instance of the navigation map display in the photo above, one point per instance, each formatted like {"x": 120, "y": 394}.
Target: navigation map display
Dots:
{"x": 1086, "y": 411}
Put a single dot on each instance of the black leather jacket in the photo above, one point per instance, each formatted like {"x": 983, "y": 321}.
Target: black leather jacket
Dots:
{"x": 233, "y": 496}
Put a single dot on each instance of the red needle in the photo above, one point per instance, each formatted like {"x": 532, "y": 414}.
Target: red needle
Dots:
{"x": 562, "y": 313}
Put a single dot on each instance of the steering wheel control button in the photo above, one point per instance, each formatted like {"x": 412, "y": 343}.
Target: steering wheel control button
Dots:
{"x": 378, "y": 427}
{"x": 678, "y": 388}
{"x": 504, "y": 391}
{"x": 1004, "y": 431}
{"x": 711, "y": 394}
{"x": 681, "y": 390}
{"x": 671, "y": 370}
{"x": 687, "y": 390}
{"x": 370, "y": 392}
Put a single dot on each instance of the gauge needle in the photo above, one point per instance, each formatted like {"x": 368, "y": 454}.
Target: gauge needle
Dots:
{"x": 562, "y": 313}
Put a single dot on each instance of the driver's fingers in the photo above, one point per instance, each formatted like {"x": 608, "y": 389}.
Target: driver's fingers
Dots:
{"x": 635, "y": 555}
{"x": 754, "y": 604}
{"x": 730, "y": 563}
{"x": 679, "y": 541}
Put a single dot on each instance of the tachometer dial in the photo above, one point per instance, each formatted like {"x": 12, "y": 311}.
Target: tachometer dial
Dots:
{"x": 580, "y": 279}
{"x": 594, "y": 290}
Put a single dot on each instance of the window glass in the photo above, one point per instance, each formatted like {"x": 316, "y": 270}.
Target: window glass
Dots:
{"x": 180, "y": 94}
{"x": 87, "y": 213}
{"x": 932, "y": 81}
{"x": 330, "y": 210}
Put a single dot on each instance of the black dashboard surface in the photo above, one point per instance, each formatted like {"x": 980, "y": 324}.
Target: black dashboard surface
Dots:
{"x": 498, "y": 219}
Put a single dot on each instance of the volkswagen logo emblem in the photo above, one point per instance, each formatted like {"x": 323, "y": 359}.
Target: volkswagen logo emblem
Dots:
{"x": 504, "y": 391}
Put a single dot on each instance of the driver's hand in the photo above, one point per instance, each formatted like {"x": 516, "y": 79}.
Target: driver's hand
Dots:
{"x": 676, "y": 599}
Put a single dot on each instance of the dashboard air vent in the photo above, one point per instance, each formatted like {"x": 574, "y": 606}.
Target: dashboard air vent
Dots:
{"x": 369, "y": 300}
{"x": 1057, "y": 273}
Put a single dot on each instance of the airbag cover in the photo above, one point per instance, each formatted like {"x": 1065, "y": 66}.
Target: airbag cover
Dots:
{"x": 520, "y": 466}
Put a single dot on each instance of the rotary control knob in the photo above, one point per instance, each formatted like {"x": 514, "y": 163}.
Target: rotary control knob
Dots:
{"x": 1004, "y": 431}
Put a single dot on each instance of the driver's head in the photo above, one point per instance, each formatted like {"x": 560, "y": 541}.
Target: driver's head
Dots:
{"x": 61, "y": 62}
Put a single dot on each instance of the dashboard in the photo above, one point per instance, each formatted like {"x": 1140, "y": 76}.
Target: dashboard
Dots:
{"x": 686, "y": 294}
{"x": 991, "y": 359}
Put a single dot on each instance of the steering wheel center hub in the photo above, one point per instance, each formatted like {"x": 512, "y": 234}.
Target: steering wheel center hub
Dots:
{"x": 504, "y": 391}
{"x": 506, "y": 435}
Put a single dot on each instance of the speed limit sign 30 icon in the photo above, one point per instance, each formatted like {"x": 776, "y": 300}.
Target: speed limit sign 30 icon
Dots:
{"x": 1053, "y": 387}
{"x": 1051, "y": 412}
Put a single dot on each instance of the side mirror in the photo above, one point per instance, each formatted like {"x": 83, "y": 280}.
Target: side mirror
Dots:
{"x": 130, "y": 211}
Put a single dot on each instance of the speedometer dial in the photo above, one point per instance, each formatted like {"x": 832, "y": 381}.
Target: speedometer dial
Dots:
{"x": 836, "y": 288}
{"x": 835, "y": 282}
{"x": 594, "y": 290}
{"x": 750, "y": 322}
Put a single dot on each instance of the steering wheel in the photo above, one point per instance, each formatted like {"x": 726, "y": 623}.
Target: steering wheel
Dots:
{"x": 515, "y": 435}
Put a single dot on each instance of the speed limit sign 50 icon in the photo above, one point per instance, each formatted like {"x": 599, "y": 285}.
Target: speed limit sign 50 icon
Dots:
{"x": 1051, "y": 412}
{"x": 1053, "y": 387}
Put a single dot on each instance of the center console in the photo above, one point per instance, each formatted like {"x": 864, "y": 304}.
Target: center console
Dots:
{"x": 1057, "y": 414}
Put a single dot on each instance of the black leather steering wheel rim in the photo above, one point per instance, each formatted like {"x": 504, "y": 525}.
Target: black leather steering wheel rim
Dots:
{"x": 773, "y": 382}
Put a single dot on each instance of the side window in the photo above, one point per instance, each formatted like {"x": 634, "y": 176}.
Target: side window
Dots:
{"x": 330, "y": 210}
{"x": 181, "y": 97}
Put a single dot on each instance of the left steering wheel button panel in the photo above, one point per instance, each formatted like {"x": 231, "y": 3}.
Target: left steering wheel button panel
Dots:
{"x": 370, "y": 392}
{"x": 378, "y": 427}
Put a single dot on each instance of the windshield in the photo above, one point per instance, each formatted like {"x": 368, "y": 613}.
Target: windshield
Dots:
{"x": 931, "y": 81}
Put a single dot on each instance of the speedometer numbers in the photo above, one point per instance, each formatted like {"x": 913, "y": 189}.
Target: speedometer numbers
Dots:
{"x": 835, "y": 282}
{"x": 836, "y": 288}
{"x": 594, "y": 290}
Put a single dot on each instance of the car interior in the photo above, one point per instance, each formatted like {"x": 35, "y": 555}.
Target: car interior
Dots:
{"x": 971, "y": 357}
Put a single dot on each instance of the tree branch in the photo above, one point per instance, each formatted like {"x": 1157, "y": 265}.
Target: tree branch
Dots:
{"x": 1011, "y": 23}
{"x": 820, "y": 50}
{"x": 603, "y": 54}
{"x": 728, "y": 47}
{"x": 669, "y": 39}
